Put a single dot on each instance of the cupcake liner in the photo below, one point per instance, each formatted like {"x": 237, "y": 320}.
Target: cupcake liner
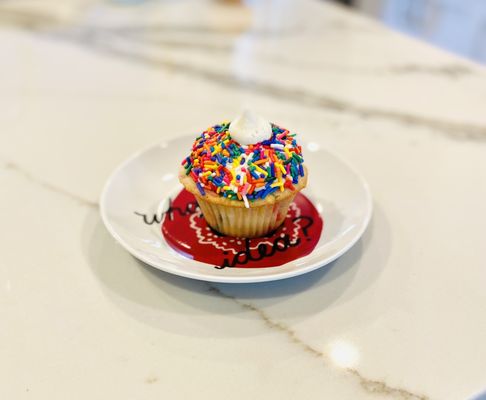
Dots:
{"x": 245, "y": 222}
{"x": 232, "y": 218}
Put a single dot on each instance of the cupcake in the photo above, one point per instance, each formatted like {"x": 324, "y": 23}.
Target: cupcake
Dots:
{"x": 244, "y": 175}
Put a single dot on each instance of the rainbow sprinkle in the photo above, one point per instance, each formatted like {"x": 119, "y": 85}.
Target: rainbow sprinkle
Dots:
{"x": 246, "y": 173}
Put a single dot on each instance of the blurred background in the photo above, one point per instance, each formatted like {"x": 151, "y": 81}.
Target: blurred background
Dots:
{"x": 458, "y": 26}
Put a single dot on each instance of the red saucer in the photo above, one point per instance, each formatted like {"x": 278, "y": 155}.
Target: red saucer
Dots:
{"x": 186, "y": 230}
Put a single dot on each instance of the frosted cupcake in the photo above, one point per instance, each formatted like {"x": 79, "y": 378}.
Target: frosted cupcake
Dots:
{"x": 244, "y": 175}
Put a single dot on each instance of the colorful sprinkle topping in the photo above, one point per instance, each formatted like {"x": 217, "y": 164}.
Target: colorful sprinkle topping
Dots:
{"x": 219, "y": 164}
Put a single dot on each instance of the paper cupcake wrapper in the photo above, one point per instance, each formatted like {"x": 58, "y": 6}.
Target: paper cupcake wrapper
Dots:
{"x": 245, "y": 222}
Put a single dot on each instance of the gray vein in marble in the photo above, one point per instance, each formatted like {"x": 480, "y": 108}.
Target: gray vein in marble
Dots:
{"x": 143, "y": 30}
{"x": 455, "y": 130}
{"x": 450, "y": 71}
{"x": 454, "y": 71}
{"x": 369, "y": 385}
{"x": 203, "y": 46}
{"x": 48, "y": 186}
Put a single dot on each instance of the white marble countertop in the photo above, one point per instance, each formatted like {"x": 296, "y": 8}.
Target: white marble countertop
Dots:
{"x": 85, "y": 83}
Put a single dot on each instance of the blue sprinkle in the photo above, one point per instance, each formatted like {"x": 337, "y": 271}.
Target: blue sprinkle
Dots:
{"x": 268, "y": 191}
{"x": 242, "y": 161}
{"x": 238, "y": 176}
{"x": 201, "y": 190}
{"x": 301, "y": 170}
{"x": 262, "y": 176}
{"x": 274, "y": 189}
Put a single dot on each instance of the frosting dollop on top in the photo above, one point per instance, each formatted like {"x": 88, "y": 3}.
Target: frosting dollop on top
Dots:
{"x": 250, "y": 128}
{"x": 230, "y": 169}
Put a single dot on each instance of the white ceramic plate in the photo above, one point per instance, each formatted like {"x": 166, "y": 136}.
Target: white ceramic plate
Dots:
{"x": 150, "y": 177}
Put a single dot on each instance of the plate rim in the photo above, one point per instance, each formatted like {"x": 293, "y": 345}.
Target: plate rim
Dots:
{"x": 225, "y": 278}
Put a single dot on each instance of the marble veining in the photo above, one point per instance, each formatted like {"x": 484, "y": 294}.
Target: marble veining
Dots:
{"x": 119, "y": 41}
{"x": 25, "y": 174}
{"x": 371, "y": 386}
{"x": 109, "y": 44}
{"x": 157, "y": 36}
{"x": 86, "y": 83}
{"x": 451, "y": 70}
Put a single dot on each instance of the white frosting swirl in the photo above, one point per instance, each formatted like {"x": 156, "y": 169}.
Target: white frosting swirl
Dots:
{"x": 250, "y": 128}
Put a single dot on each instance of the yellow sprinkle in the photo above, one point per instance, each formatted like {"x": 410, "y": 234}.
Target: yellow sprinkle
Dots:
{"x": 262, "y": 171}
{"x": 281, "y": 168}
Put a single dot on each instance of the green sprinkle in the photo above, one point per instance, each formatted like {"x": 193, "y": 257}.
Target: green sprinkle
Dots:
{"x": 297, "y": 157}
